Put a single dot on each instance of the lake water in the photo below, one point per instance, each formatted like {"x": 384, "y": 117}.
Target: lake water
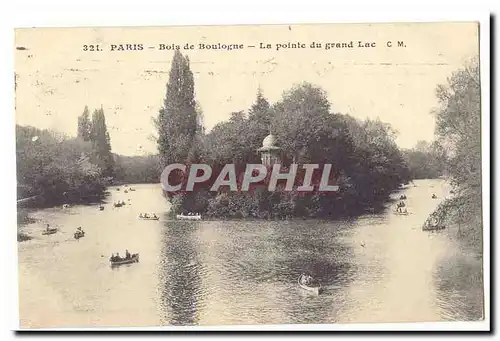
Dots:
{"x": 243, "y": 272}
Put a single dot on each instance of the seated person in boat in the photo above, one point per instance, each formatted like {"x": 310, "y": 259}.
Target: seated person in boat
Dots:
{"x": 127, "y": 254}
{"x": 306, "y": 279}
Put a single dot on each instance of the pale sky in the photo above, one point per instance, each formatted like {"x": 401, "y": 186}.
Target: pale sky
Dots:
{"x": 56, "y": 78}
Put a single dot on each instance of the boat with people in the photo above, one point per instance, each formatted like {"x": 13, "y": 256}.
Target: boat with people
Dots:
{"x": 49, "y": 230}
{"x": 189, "y": 216}
{"x": 131, "y": 189}
{"x": 400, "y": 209}
{"x": 146, "y": 216}
{"x": 119, "y": 204}
{"x": 306, "y": 282}
{"x": 65, "y": 206}
{"x": 79, "y": 234}
{"x": 101, "y": 208}
{"x": 116, "y": 260}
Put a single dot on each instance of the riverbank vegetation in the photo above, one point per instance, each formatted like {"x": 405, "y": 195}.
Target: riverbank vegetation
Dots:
{"x": 458, "y": 127}
{"x": 53, "y": 168}
{"x": 136, "y": 169}
{"x": 367, "y": 163}
{"x": 426, "y": 160}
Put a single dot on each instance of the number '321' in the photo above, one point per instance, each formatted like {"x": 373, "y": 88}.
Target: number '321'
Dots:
{"x": 91, "y": 48}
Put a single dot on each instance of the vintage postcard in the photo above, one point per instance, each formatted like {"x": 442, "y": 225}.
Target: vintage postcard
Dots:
{"x": 249, "y": 175}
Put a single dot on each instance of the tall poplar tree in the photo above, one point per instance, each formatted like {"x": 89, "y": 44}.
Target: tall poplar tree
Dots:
{"x": 102, "y": 142}
{"x": 177, "y": 121}
{"x": 260, "y": 111}
{"x": 84, "y": 125}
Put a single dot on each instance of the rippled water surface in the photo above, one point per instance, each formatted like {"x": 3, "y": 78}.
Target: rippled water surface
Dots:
{"x": 243, "y": 272}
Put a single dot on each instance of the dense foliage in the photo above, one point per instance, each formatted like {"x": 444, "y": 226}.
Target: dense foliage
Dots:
{"x": 101, "y": 142}
{"x": 426, "y": 160}
{"x": 55, "y": 168}
{"x": 459, "y": 129}
{"x": 137, "y": 169}
{"x": 459, "y": 125}
{"x": 367, "y": 163}
{"x": 177, "y": 121}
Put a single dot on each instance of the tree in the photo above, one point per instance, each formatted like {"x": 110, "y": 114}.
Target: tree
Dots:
{"x": 55, "y": 168}
{"x": 137, "y": 169}
{"x": 426, "y": 160}
{"x": 260, "y": 111}
{"x": 458, "y": 127}
{"x": 299, "y": 120}
{"x": 102, "y": 143}
{"x": 84, "y": 125}
{"x": 177, "y": 121}
{"x": 376, "y": 166}
{"x": 459, "y": 124}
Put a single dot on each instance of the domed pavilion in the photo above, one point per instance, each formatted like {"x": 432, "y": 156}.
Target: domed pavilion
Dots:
{"x": 269, "y": 152}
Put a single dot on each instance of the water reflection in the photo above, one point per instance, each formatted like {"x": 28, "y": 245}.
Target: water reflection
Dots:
{"x": 375, "y": 268}
{"x": 458, "y": 282}
{"x": 179, "y": 274}
{"x": 247, "y": 272}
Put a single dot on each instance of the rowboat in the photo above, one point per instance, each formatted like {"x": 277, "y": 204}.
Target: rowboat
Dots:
{"x": 49, "y": 231}
{"x": 313, "y": 289}
{"x": 189, "y": 217}
{"x": 133, "y": 259}
{"x": 78, "y": 235}
{"x": 150, "y": 218}
{"x": 401, "y": 213}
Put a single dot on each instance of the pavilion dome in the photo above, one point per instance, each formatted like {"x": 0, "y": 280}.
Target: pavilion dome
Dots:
{"x": 269, "y": 141}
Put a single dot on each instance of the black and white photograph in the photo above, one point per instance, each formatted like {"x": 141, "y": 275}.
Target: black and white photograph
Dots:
{"x": 249, "y": 175}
